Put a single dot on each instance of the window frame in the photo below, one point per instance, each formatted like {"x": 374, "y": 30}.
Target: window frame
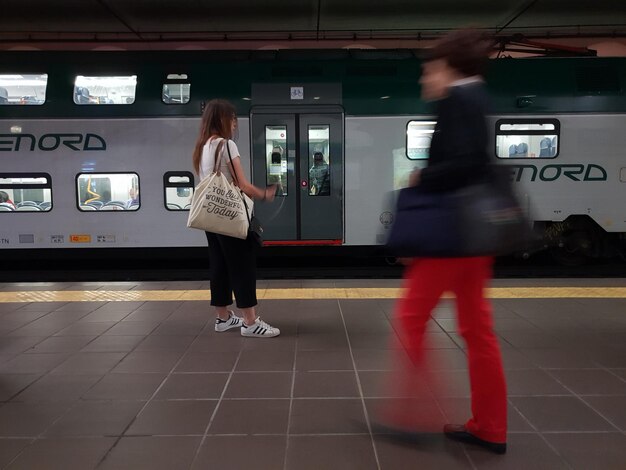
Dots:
{"x": 77, "y": 198}
{"x": 541, "y": 121}
{"x": 45, "y": 91}
{"x": 167, "y": 184}
{"x": 406, "y": 139}
{"x": 176, "y": 81}
{"x": 46, "y": 185}
{"x": 136, "y": 75}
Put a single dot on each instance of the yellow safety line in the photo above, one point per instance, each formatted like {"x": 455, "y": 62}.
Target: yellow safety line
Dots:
{"x": 301, "y": 293}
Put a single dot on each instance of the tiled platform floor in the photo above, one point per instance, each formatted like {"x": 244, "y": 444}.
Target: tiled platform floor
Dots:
{"x": 150, "y": 385}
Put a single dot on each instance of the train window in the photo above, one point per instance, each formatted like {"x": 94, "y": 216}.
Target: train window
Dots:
{"x": 177, "y": 90}
{"x": 25, "y": 192}
{"x": 105, "y": 90}
{"x": 23, "y": 89}
{"x": 107, "y": 192}
{"x": 319, "y": 160}
{"x": 527, "y": 138}
{"x": 276, "y": 157}
{"x": 418, "y": 137}
{"x": 178, "y": 190}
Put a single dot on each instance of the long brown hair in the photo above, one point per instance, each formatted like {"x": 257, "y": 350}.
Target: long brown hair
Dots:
{"x": 216, "y": 120}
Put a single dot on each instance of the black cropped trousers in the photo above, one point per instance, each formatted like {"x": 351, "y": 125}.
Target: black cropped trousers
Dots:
{"x": 232, "y": 269}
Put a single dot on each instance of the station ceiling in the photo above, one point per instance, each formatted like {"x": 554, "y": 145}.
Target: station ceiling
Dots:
{"x": 306, "y": 19}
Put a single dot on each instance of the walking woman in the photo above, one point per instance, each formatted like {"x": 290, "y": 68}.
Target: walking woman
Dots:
{"x": 232, "y": 260}
{"x": 452, "y": 76}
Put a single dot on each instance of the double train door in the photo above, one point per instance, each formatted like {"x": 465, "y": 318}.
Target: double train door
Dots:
{"x": 302, "y": 153}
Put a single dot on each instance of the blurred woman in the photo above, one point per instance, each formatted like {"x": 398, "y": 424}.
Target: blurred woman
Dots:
{"x": 232, "y": 260}
{"x": 452, "y": 76}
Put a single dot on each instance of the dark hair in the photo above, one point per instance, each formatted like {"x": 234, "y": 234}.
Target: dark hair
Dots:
{"x": 4, "y": 197}
{"x": 465, "y": 50}
{"x": 216, "y": 120}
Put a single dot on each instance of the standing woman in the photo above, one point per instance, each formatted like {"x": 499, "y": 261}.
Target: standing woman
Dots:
{"x": 232, "y": 260}
{"x": 452, "y": 76}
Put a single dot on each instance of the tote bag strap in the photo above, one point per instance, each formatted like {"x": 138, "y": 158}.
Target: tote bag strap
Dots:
{"x": 234, "y": 173}
{"x": 218, "y": 156}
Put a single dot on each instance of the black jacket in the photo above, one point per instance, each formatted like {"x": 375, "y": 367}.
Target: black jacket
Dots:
{"x": 458, "y": 150}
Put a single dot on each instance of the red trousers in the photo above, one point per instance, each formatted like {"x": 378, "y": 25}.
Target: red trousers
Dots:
{"x": 426, "y": 280}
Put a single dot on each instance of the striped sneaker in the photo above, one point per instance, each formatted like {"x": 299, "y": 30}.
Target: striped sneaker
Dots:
{"x": 259, "y": 329}
{"x": 232, "y": 322}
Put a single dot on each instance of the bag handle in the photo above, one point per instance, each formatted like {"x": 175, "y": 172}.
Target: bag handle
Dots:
{"x": 234, "y": 173}
{"x": 218, "y": 157}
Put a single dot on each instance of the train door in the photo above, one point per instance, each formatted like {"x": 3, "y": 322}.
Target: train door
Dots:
{"x": 303, "y": 154}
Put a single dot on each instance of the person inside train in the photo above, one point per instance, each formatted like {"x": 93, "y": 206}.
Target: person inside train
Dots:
{"x": 133, "y": 198}
{"x": 232, "y": 260}
{"x": 5, "y": 199}
{"x": 452, "y": 78}
{"x": 319, "y": 176}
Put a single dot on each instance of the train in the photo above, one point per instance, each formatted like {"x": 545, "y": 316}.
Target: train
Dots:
{"x": 95, "y": 147}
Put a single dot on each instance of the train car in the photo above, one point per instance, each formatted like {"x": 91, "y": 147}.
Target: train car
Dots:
{"x": 95, "y": 147}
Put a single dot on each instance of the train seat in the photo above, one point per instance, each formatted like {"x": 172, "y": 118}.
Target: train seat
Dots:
{"x": 553, "y": 146}
{"x": 4, "y": 96}
{"x": 113, "y": 206}
{"x": 27, "y": 204}
{"x": 28, "y": 209}
{"x": 81, "y": 95}
{"x": 6, "y": 207}
{"x": 173, "y": 207}
{"x": 85, "y": 207}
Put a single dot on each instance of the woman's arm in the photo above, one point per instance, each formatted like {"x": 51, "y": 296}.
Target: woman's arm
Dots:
{"x": 247, "y": 187}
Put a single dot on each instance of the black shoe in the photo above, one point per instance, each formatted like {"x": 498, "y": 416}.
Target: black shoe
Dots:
{"x": 458, "y": 432}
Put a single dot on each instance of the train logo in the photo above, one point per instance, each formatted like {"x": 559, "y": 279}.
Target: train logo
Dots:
{"x": 51, "y": 142}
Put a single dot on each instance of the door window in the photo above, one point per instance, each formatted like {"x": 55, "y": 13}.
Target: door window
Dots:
{"x": 319, "y": 160}
{"x": 276, "y": 157}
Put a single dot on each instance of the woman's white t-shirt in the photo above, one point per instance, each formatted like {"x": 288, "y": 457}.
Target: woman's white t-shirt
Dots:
{"x": 207, "y": 161}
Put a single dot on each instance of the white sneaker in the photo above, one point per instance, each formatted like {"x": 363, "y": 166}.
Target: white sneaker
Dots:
{"x": 259, "y": 329}
{"x": 232, "y": 322}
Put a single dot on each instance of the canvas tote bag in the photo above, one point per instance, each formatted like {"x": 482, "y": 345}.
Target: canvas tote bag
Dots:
{"x": 218, "y": 206}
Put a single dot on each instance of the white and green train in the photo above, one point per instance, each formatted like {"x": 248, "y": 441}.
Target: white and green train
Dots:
{"x": 95, "y": 147}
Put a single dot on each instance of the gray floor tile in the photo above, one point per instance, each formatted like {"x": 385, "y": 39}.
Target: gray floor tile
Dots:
{"x": 12, "y": 384}
{"x": 591, "y": 451}
{"x": 29, "y": 419}
{"x": 10, "y": 448}
{"x": 179, "y": 328}
{"x": 141, "y": 315}
{"x": 330, "y": 453}
{"x": 113, "y": 344}
{"x": 16, "y": 345}
{"x": 125, "y": 387}
{"x": 33, "y": 363}
{"x": 422, "y": 415}
{"x": 257, "y": 452}
{"x": 165, "y": 343}
{"x": 612, "y": 408}
{"x": 533, "y": 382}
{"x": 207, "y": 362}
{"x": 429, "y": 451}
{"x": 559, "y": 358}
{"x": 323, "y": 360}
{"x": 173, "y": 418}
{"x": 250, "y": 417}
{"x": 213, "y": 343}
{"x": 265, "y": 361}
{"x": 329, "y": 416}
{"x": 193, "y": 386}
{"x": 96, "y": 419}
{"x": 259, "y": 385}
{"x": 330, "y": 341}
{"x": 148, "y": 362}
{"x": 58, "y": 388}
{"x": 560, "y": 414}
{"x": 133, "y": 328}
{"x": 325, "y": 384}
{"x": 524, "y": 451}
{"x": 63, "y": 454}
{"x": 591, "y": 381}
{"x": 379, "y": 359}
{"x": 151, "y": 453}
{"x": 89, "y": 363}
{"x": 56, "y": 344}
{"x": 86, "y": 328}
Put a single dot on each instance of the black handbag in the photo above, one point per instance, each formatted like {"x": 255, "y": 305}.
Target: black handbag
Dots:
{"x": 255, "y": 229}
{"x": 476, "y": 220}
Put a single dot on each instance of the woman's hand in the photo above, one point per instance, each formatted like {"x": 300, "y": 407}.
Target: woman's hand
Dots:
{"x": 270, "y": 193}
{"x": 415, "y": 177}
